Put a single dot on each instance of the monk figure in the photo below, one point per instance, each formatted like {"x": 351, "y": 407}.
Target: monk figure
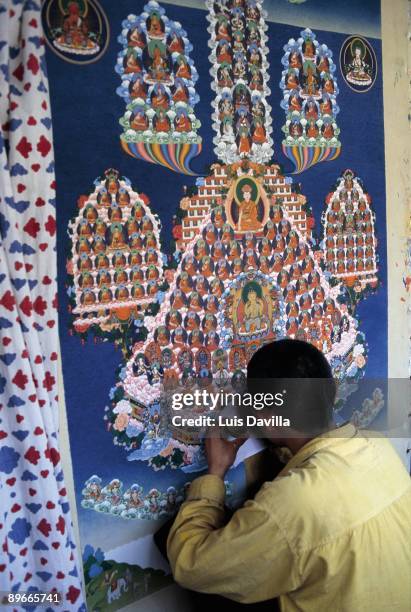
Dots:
{"x": 162, "y": 123}
{"x": 248, "y": 211}
{"x": 182, "y": 123}
{"x": 139, "y": 122}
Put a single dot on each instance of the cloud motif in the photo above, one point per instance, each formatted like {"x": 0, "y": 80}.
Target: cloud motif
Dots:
{"x": 8, "y": 459}
{"x": 20, "y": 531}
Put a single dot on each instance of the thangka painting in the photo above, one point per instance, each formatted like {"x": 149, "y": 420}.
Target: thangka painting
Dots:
{"x": 221, "y": 185}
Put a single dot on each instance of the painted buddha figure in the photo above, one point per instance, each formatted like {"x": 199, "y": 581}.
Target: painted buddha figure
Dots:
{"x": 253, "y": 312}
{"x": 117, "y": 238}
{"x": 139, "y": 121}
{"x": 136, "y": 38}
{"x": 248, "y": 211}
{"x": 162, "y": 122}
{"x": 75, "y": 30}
{"x": 155, "y": 26}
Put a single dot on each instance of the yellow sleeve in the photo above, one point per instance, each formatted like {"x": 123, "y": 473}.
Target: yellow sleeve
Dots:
{"x": 247, "y": 560}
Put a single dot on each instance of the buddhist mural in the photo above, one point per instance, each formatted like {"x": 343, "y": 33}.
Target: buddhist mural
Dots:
{"x": 157, "y": 85}
{"x": 349, "y": 240}
{"x": 310, "y": 92}
{"x": 115, "y": 265}
{"x": 76, "y": 30}
{"x": 241, "y": 115}
{"x": 248, "y": 276}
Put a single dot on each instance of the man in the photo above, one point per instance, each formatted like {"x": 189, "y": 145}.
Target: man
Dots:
{"x": 330, "y": 532}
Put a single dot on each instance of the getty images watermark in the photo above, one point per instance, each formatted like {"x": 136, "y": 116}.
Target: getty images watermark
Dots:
{"x": 209, "y": 402}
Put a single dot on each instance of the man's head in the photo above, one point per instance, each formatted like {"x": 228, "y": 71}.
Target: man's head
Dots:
{"x": 303, "y": 372}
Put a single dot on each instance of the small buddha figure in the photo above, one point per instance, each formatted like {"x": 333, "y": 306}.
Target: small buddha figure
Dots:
{"x": 99, "y": 245}
{"x": 196, "y": 338}
{"x": 117, "y": 238}
{"x": 222, "y": 30}
{"x": 180, "y": 93}
{"x": 139, "y": 121}
{"x": 218, "y": 251}
{"x": 75, "y": 30}
{"x": 234, "y": 250}
{"x": 182, "y": 123}
{"x": 122, "y": 293}
{"x": 151, "y": 257}
{"x": 254, "y": 56}
{"x": 162, "y": 122}
{"x": 212, "y": 304}
{"x": 104, "y": 278}
{"x": 296, "y": 129}
{"x": 209, "y": 323}
{"x": 217, "y": 287}
{"x": 136, "y": 274}
{"x": 90, "y": 213}
{"x": 294, "y": 102}
{"x": 223, "y": 270}
{"x": 323, "y": 64}
{"x": 312, "y": 129}
{"x": 183, "y": 70}
{"x": 326, "y": 106}
{"x": 195, "y": 302}
{"x": 192, "y": 321}
{"x": 88, "y": 298}
{"x": 311, "y": 85}
{"x": 308, "y": 48}
{"x": 328, "y": 130}
{"x": 86, "y": 281}
{"x": 152, "y": 273}
{"x": 155, "y": 26}
{"x": 135, "y": 259}
{"x": 201, "y": 285}
{"x": 259, "y": 134}
{"x": 270, "y": 230}
{"x": 329, "y": 85}
{"x": 136, "y": 38}
{"x": 160, "y": 98}
{"x": 159, "y": 69}
{"x": 224, "y": 55}
{"x": 151, "y": 240}
{"x": 179, "y": 336}
{"x": 265, "y": 247}
{"x": 138, "y": 88}
{"x": 184, "y": 282}
{"x": 119, "y": 260}
{"x": 178, "y": 299}
{"x": 306, "y": 301}
{"x": 105, "y": 295}
{"x": 84, "y": 229}
{"x": 237, "y": 266}
{"x": 132, "y": 63}
{"x": 104, "y": 198}
{"x": 175, "y": 43}
{"x": 278, "y": 262}
{"x": 294, "y": 60}
{"x": 224, "y": 76}
{"x": 265, "y": 267}
{"x": 83, "y": 245}
{"x": 292, "y": 81}
{"x": 162, "y": 335}
{"x": 115, "y": 214}
{"x": 102, "y": 262}
{"x": 212, "y": 340}
{"x": 206, "y": 266}
{"x": 173, "y": 319}
{"x": 210, "y": 234}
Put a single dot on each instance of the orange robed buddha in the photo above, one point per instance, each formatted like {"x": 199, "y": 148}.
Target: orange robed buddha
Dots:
{"x": 248, "y": 217}
{"x": 183, "y": 123}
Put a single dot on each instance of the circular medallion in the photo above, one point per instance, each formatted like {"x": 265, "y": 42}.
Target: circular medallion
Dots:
{"x": 76, "y": 30}
{"x": 358, "y": 64}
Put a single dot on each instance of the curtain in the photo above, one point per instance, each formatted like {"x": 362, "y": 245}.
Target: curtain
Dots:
{"x": 37, "y": 549}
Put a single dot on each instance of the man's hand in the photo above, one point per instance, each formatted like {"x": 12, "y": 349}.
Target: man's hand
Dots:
{"x": 221, "y": 454}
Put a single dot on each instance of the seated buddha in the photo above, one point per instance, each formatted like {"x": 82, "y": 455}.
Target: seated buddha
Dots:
{"x": 155, "y": 26}
{"x": 183, "y": 70}
{"x": 248, "y": 211}
{"x": 139, "y": 121}
{"x": 182, "y": 123}
{"x": 162, "y": 122}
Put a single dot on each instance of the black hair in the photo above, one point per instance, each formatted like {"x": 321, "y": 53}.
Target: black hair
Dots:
{"x": 309, "y": 399}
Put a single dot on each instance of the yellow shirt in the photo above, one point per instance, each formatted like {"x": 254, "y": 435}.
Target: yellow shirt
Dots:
{"x": 330, "y": 533}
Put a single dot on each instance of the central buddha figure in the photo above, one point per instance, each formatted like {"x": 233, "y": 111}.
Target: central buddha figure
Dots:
{"x": 248, "y": 211}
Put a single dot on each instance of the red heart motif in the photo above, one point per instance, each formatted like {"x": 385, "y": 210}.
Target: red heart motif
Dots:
{"x": 2, "y": 567}
{"x": 44, "y": 473}
{"x": 15, "y": 508}
{"x": 19, "y": 418}
{"x": 55, "y": 545}
{"x": 23, "y": 552}
{"x": 38, "y": 359}
{"x": 18, "y": 265}
{"x": 39, "y": 202}
{"x": 11, "y": 481}
{"x": 38, "y": 431}
{"x": 27, "y": 576}
{"x": 35, "y": 167}
{"x": 32, "y": 492}
{"x": 53, "y": 356}
{"x": 21, "y": 187}
{"x": 44, "y": 105}
{"x": 31, "y": 121}
{"x": 60, "y": 575}
{"x": 33, "y": 397}
{"x": 28, "y": 267}
{"x": 6, "y": 341}
{"x": 25, "y": 353}
{"x": 47, "y": 280}
{"x": 44, "y": 527}
{"x": 43, "y": 561}
{"x": 41, "y": 403}
{"x": 50, "y": 505}
{"x": 43, "y": 246}
{"x": 51, "y": 324}
{"x": 27, "y": 87}
{"x": 33, "y": 23}
{"x": 3, "y": 434}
